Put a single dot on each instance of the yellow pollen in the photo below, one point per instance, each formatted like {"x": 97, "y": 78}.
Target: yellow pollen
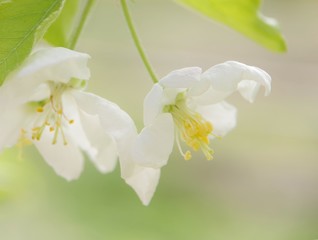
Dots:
{"x": 187, "y": 155}
{"x": 206, "y": 140}
{"x": 71, "y": 121}
{"x": 194, "y": 143}
{"x": 35, "y": 129}
{"x": 23, "y": 141}
{"x": 208, "y": 126}
{"x": 40, "y": 109}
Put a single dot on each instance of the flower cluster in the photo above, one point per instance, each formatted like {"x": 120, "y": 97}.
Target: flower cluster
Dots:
{"x": 44, "y": 103}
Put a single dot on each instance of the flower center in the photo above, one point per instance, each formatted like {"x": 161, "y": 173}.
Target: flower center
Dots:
{"x": 192, "y": 128}
{"x": 50, "y": 115}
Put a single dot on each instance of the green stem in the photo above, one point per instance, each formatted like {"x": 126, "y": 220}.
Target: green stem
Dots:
{"x": 79, "y": 27}
{"x": 137, "y": 42}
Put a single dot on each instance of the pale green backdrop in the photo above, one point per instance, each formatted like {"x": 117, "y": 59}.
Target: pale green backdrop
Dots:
{"x": 263, "y": 183}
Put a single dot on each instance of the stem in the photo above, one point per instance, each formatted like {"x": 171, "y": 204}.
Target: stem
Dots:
{"x": 137, "y": 42}
{"x": 78, "y": 29}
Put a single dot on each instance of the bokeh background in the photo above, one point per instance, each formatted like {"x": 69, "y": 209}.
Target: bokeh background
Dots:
{"x": 263, "y": 183}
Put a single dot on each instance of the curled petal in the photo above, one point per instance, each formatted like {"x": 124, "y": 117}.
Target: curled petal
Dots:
{"x": 54, "y": 64}
{"x": 198, "y": 89}
{"x": 182, "y": 78}
{"x": 227, "y": 77}
{"x": 154, "y": 144}
{"x": 222, "y": 116}
{"x": 249, "y": 89}
{"x": 211, "y": 96}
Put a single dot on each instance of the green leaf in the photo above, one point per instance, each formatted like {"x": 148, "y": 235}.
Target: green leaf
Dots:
{"x": 243, "y": 16}
{"x": 59, "y": 32}
{"x": 22, "y": 23}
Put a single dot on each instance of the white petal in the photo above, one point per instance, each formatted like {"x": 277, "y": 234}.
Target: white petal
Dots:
{"x": 41, "y": 92}
{"x": 170, "y": 95}
{"x": 12, "y": 121}
{"x": 202, "y": 86}
{"x": 114, "y": 120}
{"x": 153, "y": 104}
{"x": 249, "y": 89}
{"x": 48, "y": 64}
{"x": 154, "y": 144}
{"x": 182, "y": 78}
{"x": 144, "y": 181}
{"x": 225, "y": 77}
{"x": 66, "y": 160}
{"x": 56, "y": 64}
{"x": 120, "y": 126}
{"x": 88, "y": 133}
{"x": 222, "y": 116}
{"x": 105, "y": 156}
{"x": 211, "y": 96}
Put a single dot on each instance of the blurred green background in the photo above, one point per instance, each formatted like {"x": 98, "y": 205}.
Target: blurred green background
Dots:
{"x": 263, "y": 183}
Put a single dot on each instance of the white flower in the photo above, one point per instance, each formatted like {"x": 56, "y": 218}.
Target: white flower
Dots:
{"x": 42, "y": 103}
{"x": 188, "y": 106}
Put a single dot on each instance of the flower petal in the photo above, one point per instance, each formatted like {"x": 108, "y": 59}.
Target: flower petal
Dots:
{"x": 182, "y": 78}
{"x": 248, "y": 89}
{"x": 154, "y": 144}
{"x": 211, "y": 96}
{"x": 144, "y": 181}
{"x": 12, "y": 121}
{"x": 105, "y": 156}
{"x": 226, "y": 77}
{"x": 113, "y": 119}
{"x": 47, "y": 64}
{"x": 202, "y": 86}
{"x": 153, "y": 104}
{"x": 66, "y": 160}
{"x": 56, "y": 64}
{"x": 88, "y": 133}
{"x": 222, "y": 116}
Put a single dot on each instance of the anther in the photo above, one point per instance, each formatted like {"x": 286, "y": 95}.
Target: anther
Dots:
{"x": 40, "y": 109}
{"x": 187, "y": 155}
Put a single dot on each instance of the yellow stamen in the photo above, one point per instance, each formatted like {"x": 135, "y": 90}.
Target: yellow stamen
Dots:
{"x": 193, "y": 129}
{"x": 51, "y": 115}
